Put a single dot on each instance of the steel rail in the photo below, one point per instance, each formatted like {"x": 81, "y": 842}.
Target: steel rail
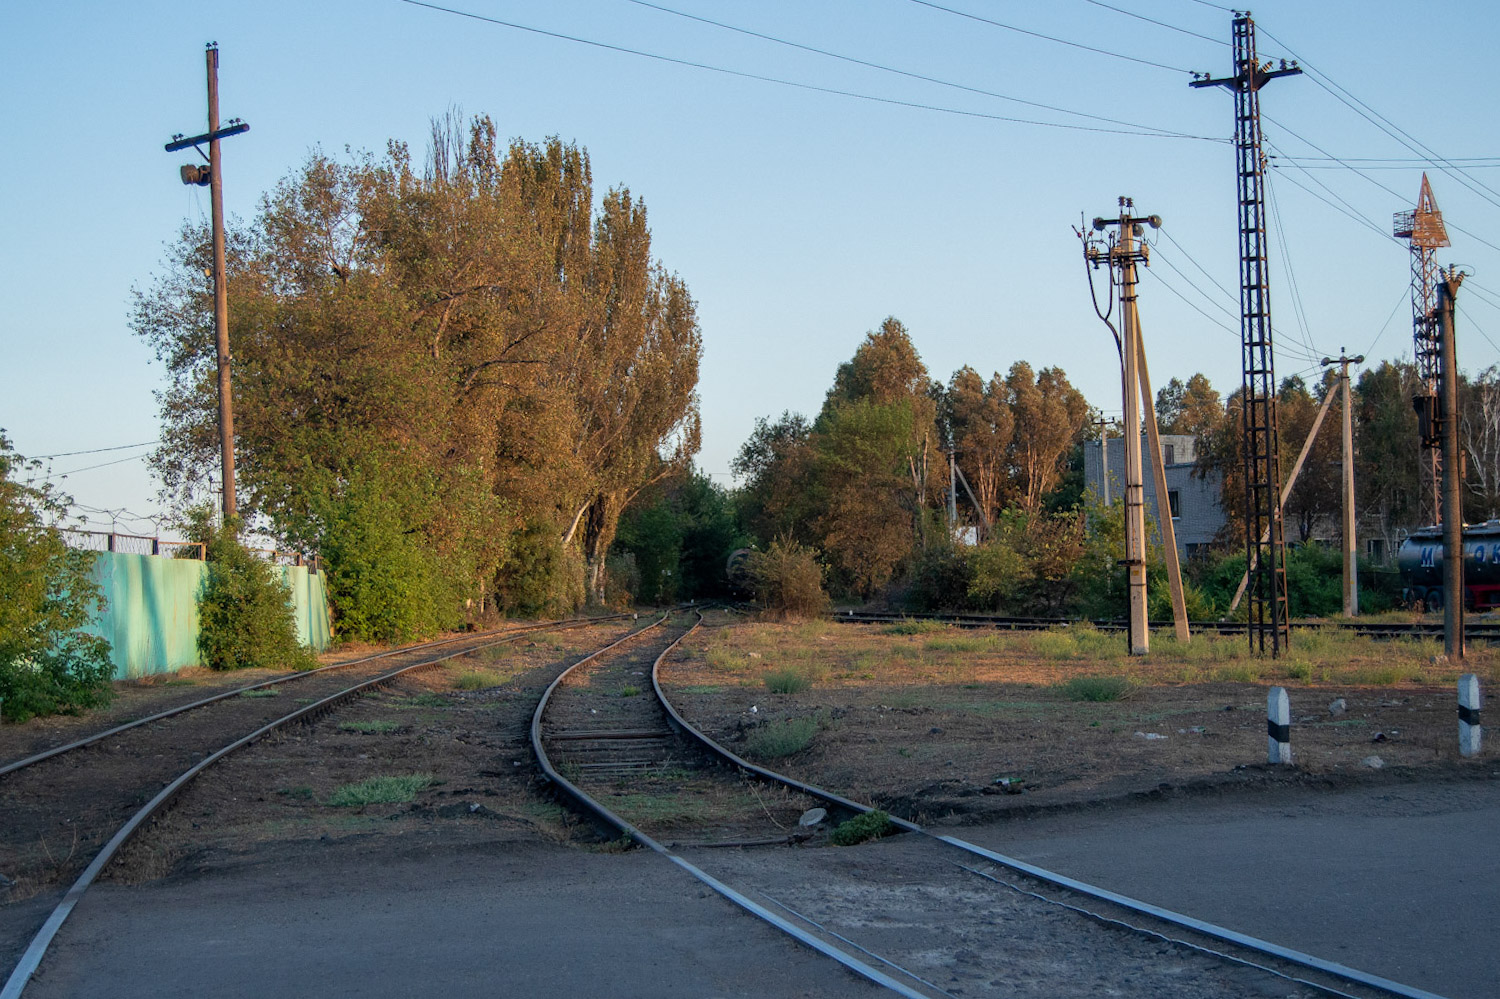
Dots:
{"x": 1476, "y": 630}
{"x": 1165, "y": 915}
{"x": 89, "y": 740}
{"x": 37, "y": 949}
{"x": 609, "y": 818}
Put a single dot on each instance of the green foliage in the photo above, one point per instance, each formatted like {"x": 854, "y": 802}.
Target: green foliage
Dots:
{"x": 788, "y": 580}
{"x": 1096, "y": 688}
{"x": 911, "y": 627}
{"x": 787, "y": 681}
{"x": 1314, "y": 580}
{"x": 681, "y": 535}
{"x": 541, "y": 576}
{"x": 774, "y": 740}
{"x": 48, "y": 663}
{"x": 379, "y": 791}
{"x": 384, "y": 583}
{"x": 472, "y": 681}
{"x": 244, "y": 612}
{"x": 863, "y": 827}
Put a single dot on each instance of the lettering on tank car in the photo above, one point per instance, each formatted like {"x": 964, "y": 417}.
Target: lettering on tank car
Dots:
{"x": 1477, "y": 554}
{"x": 1427, "y": 555}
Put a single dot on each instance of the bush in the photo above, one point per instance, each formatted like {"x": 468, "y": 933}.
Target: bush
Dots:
{"x": 540, "y": 576}
{"x": 47, "y": 663}
{"x": 788, "y": 580}
{"x": 244, "y": 612}
{"x": 868, "y": 826}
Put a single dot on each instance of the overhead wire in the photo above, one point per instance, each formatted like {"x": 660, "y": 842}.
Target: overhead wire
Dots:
{"x": 794, "y": 84}
{"x": 1477, "y": 328}
{"x": 1390, "y": 128}
{"x": 1299, "y": 311}
{"x": 97, "y": 450}
{"x": 1405, "y": 296}
{"x": 854, "y": 60}
{"x": 1163, "y": 24}
{"x": 1051, "y": 38}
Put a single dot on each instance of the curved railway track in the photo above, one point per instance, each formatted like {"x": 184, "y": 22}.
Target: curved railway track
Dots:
{"x": 1478, "y": 630}
{"x": 600, "y": 785}
{"x": 255, "y": 718}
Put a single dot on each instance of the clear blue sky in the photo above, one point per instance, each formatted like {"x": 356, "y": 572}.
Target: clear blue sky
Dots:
{"x": 799, "y": 219}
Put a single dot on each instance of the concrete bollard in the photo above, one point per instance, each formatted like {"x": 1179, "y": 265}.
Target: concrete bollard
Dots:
{"x": 1278, "y": 726}
{"x": 1469, "y": 731}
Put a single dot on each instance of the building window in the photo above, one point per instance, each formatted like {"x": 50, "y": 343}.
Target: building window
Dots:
{"x": 1375, "y": 548}
{"x": 1174, "y": 502}
{"x": 1170, "y": 456}
{"x": 1196, "y": 549}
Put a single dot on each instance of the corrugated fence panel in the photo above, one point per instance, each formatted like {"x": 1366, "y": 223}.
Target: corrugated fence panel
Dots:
{"x": 150, "y": 613}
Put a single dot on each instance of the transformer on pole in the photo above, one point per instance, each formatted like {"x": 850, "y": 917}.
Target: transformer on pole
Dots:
{"x": 1265, "y": 540}
{"x": 1423, "y": 228}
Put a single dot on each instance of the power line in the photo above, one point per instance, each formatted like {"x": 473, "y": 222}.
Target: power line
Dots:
{"x": 1291, "y": 277}
{"x": 1152, "y": 20}
{"x": 1370, "y": 350}
{"x": 90, "y": 468}
{"x": 898, "y": 72}
{"x": 97, "y": 450}
{"x": 915, "y": 105}
{"x": 1477, "y": 328}
{"x": 1049, "y": 38}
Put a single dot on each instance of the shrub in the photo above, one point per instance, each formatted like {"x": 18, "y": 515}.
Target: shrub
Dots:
{"x": 540, "y": 576}
{"x": 1096, "y": 688}
{"x": 244, "y": 612}
{"x": 788, "y": 579}
{"x": 471, "y": 681}
{"x": 868, "y": 826}
{"x": 787, "y": 681}
{"x": 47, "y": 663}
{"x": 774, "y": 740}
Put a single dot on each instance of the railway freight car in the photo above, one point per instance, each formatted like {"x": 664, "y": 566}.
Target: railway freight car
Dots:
{"x": 1420, "y": 559}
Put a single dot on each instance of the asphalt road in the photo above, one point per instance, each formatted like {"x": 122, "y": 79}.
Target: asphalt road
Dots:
{"x": 516, "y": 921}
{"x": 1401, "y": 881}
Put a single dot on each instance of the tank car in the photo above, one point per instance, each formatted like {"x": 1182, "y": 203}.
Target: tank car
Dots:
{"x": 1420, "y": 561}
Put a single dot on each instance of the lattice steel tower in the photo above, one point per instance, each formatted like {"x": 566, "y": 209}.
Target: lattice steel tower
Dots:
{"x": 1423, "y": 228}
{"x": 1265, "y": 541}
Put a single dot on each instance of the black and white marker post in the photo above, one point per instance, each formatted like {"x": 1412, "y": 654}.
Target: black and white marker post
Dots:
{"x": 1469, "y": 731}
{"x": 1278, "y": 726}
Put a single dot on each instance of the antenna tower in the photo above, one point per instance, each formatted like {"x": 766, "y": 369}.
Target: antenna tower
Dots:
{"x": 1265, "y": 541}
{"x": 1423, "y": 228}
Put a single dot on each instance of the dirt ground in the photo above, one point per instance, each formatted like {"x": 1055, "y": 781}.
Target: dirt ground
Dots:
{"x": 947, "y": 726}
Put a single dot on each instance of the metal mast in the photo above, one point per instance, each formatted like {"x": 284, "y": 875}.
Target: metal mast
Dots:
{"x": 1265, "y": 542}
{"x": 1423, "y": 228}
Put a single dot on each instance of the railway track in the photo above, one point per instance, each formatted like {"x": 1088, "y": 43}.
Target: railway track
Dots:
{"x": 932, "y": 875}
{"x": 107, "y": 775}
{"x": 1481, "y": 630}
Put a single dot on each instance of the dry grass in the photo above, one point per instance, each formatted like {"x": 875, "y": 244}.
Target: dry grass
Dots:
{"x": 760, "y": 654}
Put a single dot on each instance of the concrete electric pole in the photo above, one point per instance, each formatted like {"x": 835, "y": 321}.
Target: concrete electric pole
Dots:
{"x": 1351, "y": 558}
{"x": 211, "y": 176}
{"x": 1453, "y": 514}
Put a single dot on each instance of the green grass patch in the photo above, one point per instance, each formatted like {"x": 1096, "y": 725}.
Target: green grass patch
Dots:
{"x": 911, "y": 627}
{"x": 302, "y": 793}
{"x": 774, "y": 740}
{"x": 379, "y": 791}
{"x": 965, "y": 643}
{"x": 471, "y": 681}
{"x": 1096, "y": 688}
{"x": 862, "y": 828}
{"x": 262, "y": 692}
{"x": 787, "y": 681}
{"x": 630, "y": 691}
{"x": 379, "y": 727}
{"x": 181, "y": 682}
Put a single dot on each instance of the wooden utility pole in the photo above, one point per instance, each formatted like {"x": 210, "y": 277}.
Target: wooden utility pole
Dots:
{"x": 212, "y": 178}
{"x": 1453, "y": 515}
{"x": 1351, "y": 558}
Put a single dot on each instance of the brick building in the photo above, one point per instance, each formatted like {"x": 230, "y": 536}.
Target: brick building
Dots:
{"x": 1194, "y": 501}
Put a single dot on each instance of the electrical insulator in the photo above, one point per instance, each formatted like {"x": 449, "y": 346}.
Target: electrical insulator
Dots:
{"x": 192, "y": 173}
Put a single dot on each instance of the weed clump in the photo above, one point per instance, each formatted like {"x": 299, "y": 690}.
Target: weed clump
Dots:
{"x": 788, "y": 580}
{"x": 862, "y": 828}
{"x": 774, "y": 740}
{"x": 787, "y": 681}
{"x": 379, "y": 791}
{"x": 1096, "y": 688}
{"x": 630, "y": 691}
{"x": 908, "y": 626}
{"x": 379, "y": 727}
{"x": 471, "y": 681}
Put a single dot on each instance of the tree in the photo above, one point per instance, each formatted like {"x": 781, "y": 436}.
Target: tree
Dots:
{"x": 471, "y": 331}
{"x": 48, "y": 661}
{"x": 1049, "y": 415}
{"x": 1318, "y": 494}
{"x": 980, "y": 426}
{"x": 776, "y": 464}
{"x": 1192, "y": 408}
{"x": 1386, "y": 478}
